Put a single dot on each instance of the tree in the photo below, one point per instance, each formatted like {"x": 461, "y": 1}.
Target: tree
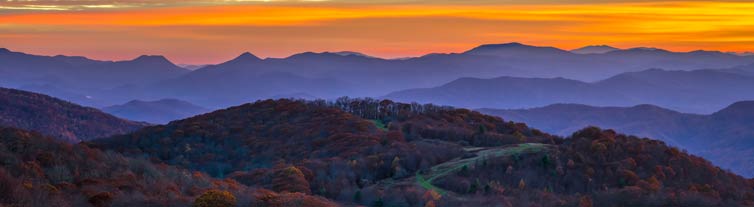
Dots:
{"x": 398, "y": 171}
{"x": 521, "y": 184}
{"x": 357, "y": 196}
{"x": 215, "y": 198}
{"x": 482, "y": 129}
{"x": 290, "y": 179}
{"x": 378, "y": 203}
{"x": 585, "y": 201}
{"x": 473, "y": 188}
{"x": 101, "y": 199}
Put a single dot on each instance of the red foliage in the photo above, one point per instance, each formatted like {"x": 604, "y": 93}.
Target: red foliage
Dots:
{"x": 58, "y": 118}
{"x": 290, "y": 179}
{"x": 79, "y": 173}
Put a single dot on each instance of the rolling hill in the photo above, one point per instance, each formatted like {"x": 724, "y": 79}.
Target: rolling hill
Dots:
{"x": 378, "y": 152}
{"x": 722, "y": 137}
{"x": 58, "y": 118}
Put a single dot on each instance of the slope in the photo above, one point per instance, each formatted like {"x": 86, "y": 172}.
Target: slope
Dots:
{"x": 378, "y": 152}
{"x": 722, "y": 137}
{"x": 58, "y": 118}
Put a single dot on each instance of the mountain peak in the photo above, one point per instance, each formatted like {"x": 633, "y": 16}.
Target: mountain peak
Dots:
{"x": 352, "y": 53}
{"x": 594, "y": 49}
{"x": 649, "y": 107}
{"x": 504, "y": 45}
{"x": 739, "y": 112}
{"x": 319, "y": 55}
{"x": 648, "y": 49}
{"x": 246, "y": 57}
{"x": 151, "y": 59}
{"x": 739, "y": 108}
{"x": 511, "y": 44}
{"x": 513, "y": 49}
{"x": 4, "y": 50}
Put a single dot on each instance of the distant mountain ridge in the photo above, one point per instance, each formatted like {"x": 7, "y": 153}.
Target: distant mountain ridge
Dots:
{"x": 515, "y": 49}
{"x": 82, "y": 80}
{"x": 724, "y": 137}
{"x": 697, "y": 91}
{"x": 594, "y": 49}
{"x": 70, "y": 69}
{"x": 368, "y": 76}
{"x": 159, "y": 112}
{"x": 327, "y": 74}
{"x": 58, "y": 118}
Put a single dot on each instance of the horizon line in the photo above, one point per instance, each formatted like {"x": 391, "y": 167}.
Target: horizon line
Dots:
{"x": 739, "y": 53}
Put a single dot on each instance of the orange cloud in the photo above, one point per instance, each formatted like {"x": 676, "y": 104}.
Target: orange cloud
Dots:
{"x": 196, "y": 34}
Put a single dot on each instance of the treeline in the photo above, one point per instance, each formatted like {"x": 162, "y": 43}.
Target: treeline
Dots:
{"x": 338, "y": 146}
{"x": 595, "y": 167}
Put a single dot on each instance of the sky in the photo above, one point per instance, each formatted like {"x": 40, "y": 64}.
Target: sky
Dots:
{"x": 207, "y": 31}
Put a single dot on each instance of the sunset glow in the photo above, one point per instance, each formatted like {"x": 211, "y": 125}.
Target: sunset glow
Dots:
{"x": 209, "y": 32}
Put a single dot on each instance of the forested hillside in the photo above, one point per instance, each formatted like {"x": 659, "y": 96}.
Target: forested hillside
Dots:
{"x": 58, "y": 118}
{"x": 723, "y": 137}
{"x": 40, "y": 171}
{"x": 381, "y": 153}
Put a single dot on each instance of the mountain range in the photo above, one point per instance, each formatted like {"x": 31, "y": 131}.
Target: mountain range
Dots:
{"x": 724, "y": 137}
{"x": 695, "y": 91}
{"x": 325, "y": 75}
{"x": 80, "y": 79}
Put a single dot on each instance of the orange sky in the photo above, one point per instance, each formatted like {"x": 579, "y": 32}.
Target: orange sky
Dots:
{"x": 211, "y": 32}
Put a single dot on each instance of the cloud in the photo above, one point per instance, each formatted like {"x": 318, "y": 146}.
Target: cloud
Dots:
{"x": 20, "y": 6}
{"x": 211, "y": 33}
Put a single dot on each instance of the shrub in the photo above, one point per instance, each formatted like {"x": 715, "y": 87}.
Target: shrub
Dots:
{"x": 290, "y": 179}
{"x": 101, "y": 199}
{"x": 521, "y": 184}
{"x": 585, "y": 201}
{"x": 215, "y": 198}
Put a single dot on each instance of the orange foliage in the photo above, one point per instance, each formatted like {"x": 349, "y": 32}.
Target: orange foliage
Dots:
{"x": 290, "y": 179}
{"x": 215, "y": 198}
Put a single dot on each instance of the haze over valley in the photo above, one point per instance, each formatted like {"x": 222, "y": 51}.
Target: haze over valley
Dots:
{"x": 684, "y": 81}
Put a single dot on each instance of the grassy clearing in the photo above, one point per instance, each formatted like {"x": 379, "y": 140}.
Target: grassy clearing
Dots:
{"x": 438, "y": 171}
{"x": 427, "y": 184}
{"x": 380, "y": 125}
